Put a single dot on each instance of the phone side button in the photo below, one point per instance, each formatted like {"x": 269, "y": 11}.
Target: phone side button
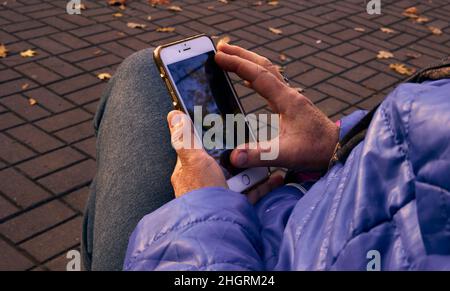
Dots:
{"x": 245, "y": 179}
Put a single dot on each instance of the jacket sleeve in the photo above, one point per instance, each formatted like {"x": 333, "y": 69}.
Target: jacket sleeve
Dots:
{"x": 206, "y": 229}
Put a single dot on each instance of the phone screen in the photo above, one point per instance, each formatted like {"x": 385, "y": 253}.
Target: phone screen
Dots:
{"x": 201, "y": 82}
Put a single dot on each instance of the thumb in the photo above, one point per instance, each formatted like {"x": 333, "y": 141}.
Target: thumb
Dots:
{"x": 262, "y": 154}
{"x": 183, "y": 138}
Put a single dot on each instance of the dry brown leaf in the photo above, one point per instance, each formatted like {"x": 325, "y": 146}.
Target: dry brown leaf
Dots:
{"x": 223, "y": 1}
{"x": 384, "y": 55}
{"x": 257, "y": 3}
{"x": 422, "y": 19}
{"x": 272, "y": 3}
{"x": 25, "y": 86}
{"x": 28, "y": 53}
{"x": 136, "y": 25}
{"x": 175, "y": 8}
{"x": 122, "y": 7}
{"x": 434, "y": 30}
{"x": 411, "y": 12}
{"x": 118, "y": 14}
{"x": 158, "y": 2}
{"x": 275, "y": 30}
{"x": 116, "y": 2}
{"x": 104, "y": 76}
{"x": 149, "y": 17}
{"x": 359, "y": 29}
{"x": 402, "y": 69}
{"x": 283, "y": 57}
{"x": 3, "y": 51}
{"x": 387, "y": 30}
{"x": 165, "y": 29}
{"x": 32, "y": 101}
{"x": 210, "y": 7}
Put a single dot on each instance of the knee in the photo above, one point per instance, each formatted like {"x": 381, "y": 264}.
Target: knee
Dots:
{"x": 137, "y": 64}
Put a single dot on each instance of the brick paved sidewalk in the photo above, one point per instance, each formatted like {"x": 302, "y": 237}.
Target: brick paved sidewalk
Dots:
{"x": 47, "y": 151}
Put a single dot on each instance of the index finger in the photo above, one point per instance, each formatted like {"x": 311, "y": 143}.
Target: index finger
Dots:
{"x": 261, "y": 80}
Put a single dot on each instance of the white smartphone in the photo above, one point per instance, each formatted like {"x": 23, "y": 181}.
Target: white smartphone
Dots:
{"x": 194, "y": 79}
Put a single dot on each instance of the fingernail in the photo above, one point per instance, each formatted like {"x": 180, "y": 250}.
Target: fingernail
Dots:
{"x": 241, "y": 158}
{"x": 175, "y": 120}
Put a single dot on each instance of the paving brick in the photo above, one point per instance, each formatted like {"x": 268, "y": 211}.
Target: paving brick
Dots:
{"x": 359, "y": 73}
{"x": 48, "y": 100}
{"x": 20, "y": 189}
{"x": 64, "y": 119}
{"x": 59, "y": 66}
{"x": 312, "y": 77}
{"x": 331, "y": 106}
{"x": 8, "y": 74}
{"x": 55, "y": 241}
{"x": 76, "y": 132}
{"x": 31, "y": 33}
{"x": 6, "y": 208}
{"x": 35, "y": 138}
{"x": 78, "y": 199}
{"x": 50, "y": 45}
{"x": 12, "y": 151}
{"x": 15, "y": 86}
{"x": 380, "y": 81}
{"x": 35, "y": 221}
{"x": 87, "y": 146}
{"x": 73, "y": 84}
{"x": 69, "y": 40}
{"x": 38, "y": 73}
{"x": 252, "y": 103}
{"x": 99, "y": 62}
{"x": 9, "y": 120}
{"x": 21, "y": 106}
{"x": 12, "y": 260}
{"x": 70, "y": 178}
{"x": 50, "y": 162}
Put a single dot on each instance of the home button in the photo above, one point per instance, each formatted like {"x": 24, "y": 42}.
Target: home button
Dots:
{"x": 245, "y": 179}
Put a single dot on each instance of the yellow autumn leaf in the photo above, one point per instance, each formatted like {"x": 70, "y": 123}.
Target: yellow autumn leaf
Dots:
{"x": 25, "y": 86}
{"x": 225, "y": 39}
{"x": 283, "y": 57}
{"x": 272, "y": 3}
{"x": 32, "y": 101}
{"x": 384, "y": 55}
{"x": 223, "y": 1}
{"x": 359, "y": 29}
{"x": 275, "y": 30}
{"x": 28, "y": 53}
{"x": 158, "y": 2}
{"x": 257, "y": 3}
{"x": 435, "y": 30}
{"x": 118, "y": 14}
{"x": 422, "y": 19}
{"x": 117, "y": 2}
{"x": 165, "y": 29}
{"x": 104, "y": 76}
{"x": 3, "y": 51}
{"x": 402, "y": 69}
{"x": 411, "y": 12}
{"x": 387, "y": 30}
{"x": 136, "y": 25}
{"x": 175, "y": 8}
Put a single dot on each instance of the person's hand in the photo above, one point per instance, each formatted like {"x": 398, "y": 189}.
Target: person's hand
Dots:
{"x": 307, "y": 137}
{"x": 196, "y": 169}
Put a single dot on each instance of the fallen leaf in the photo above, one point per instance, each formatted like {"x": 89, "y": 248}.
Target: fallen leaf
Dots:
{"x": 165, "y": 29}
{"x": 149, "y": 17}
{"x": 210, "y": 7}
{"x": 413, "y": 55}
{"x": 136, "y": 25}
{"x": 97, "y": 52}
{"x": 3, "y": 51}
{"x": 272, "y": 3}
{"x": 275, "y": 30}
{"x": 283, "y": 57}
{"x": 434, "y": 30}
{"x": 122, "y": 7}
{"x": 422, "y": 19}
{"x": 118, "y": 14}
{"x": 384, "y": 55}
{"x": 387, "y": 30}
{"x": 32, "y": 101}
{"x": 104, "y": 76}
{"x": 402, "y": 69}
{"x": 28, "y": 53}
{"x": 411, "y": 12}
{"x": 257, "y": 3}
{"x": 175, "y": 8}
{"x": 116, "y": 2}
{"x": 158, "y": 2}
{"x": 223, "y": 1}
{"x": 25, "y": 86}
{"x": 319, "y": 41}
{"x": 359, "y": 29}
{"x": 81, "y": 6}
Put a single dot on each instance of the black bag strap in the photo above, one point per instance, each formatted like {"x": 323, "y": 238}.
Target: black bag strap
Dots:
{"x": 344, "y": 147}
